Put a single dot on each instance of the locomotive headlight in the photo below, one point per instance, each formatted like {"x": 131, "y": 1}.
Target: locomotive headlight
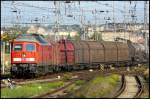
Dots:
{"x": 30, "y": 59}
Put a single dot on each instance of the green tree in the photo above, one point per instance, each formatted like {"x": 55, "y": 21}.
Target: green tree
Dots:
{"x": 69, "y": 37}
{"x": 97, "y": 36}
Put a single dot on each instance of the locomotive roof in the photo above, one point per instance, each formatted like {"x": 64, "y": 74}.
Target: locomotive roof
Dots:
{"x": 31, "y": 38}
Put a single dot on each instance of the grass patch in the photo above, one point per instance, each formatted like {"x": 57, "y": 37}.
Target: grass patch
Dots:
{"x": 146, "y": 75}
{"x": 75, "y": 85}
{"x": 98, "y": 87}
{"x": 67, "y": 76}
{"x": 29, "y": 90}
{"x": 72, "y": 88}
{"x": 79, "y": 82}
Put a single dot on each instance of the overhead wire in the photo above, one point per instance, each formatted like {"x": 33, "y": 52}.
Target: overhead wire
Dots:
{"x": 74, "y": 10}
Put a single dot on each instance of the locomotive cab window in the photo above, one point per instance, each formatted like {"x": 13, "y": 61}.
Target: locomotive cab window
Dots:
{"x": 30, "y": 47}
{"x": 18, "y": 47}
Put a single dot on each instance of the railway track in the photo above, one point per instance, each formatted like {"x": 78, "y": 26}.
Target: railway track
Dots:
{"x": 55, "y": 93}
{"x": 140, "y": 87}
{"x": 53, "y": 77}
{"x": 131, "y": 87}
{"x": 81, "y": 75}
{"x": 122, "y": 88}
{"x": 61, "y": 91}
{"x": 86, "y": 75}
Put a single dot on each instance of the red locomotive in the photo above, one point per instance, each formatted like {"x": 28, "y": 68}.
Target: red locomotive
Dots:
{"x": 33, "y": 55}
{"x": 30, "y": 51}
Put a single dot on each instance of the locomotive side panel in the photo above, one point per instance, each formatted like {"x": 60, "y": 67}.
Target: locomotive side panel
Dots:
{"x": 39, "y": 55}
{"x": 46, "y": 50}
{"x": 53, "y": 54}
{"x": 50, "y": 55}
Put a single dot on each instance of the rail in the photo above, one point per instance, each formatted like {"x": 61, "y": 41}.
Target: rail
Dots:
{"x": 140, "y": 87}
{"x": 122, "y": 88}
{"x": 132, "y": 87}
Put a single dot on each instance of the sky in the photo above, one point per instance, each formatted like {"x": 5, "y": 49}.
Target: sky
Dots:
{"x": 83, "y": 12}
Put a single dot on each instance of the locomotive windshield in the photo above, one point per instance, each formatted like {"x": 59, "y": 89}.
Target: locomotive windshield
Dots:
{"x": 30, "y": 47}
{"x": 18, "y": 47}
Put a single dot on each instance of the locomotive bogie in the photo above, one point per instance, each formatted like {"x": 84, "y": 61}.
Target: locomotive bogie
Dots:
{"x": 23, "y": 69}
